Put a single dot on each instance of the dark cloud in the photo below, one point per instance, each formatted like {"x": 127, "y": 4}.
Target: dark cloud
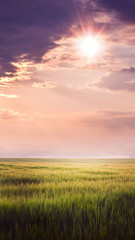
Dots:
{"x": 122, "y": 80}
{"x": 32, "y": 27}
{"x": 129, "y": 70}
{"x": 124, "y": 8}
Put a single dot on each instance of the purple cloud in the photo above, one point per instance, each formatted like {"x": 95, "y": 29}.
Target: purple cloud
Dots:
{"x": 125, "y": 9}
{"x": 110, "y": 120}
{"x": 122, "y": 80}
{"x": 32, "y": 27}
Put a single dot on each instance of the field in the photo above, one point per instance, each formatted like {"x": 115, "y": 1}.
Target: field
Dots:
{"x": 67, "y": 200}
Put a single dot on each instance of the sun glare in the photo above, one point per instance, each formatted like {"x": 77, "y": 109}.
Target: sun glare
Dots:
{"x": 90, "y": 46}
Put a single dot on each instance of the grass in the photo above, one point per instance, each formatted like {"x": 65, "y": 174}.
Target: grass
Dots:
{"x": 57, "y": 201}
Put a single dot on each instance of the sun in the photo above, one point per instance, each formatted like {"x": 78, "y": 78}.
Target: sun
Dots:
{"x": 89, "y": 46}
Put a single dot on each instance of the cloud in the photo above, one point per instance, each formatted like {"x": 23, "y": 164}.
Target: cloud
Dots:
{"x": 45, "y": 84}
{"x": 67, "y": 55}
{"x": 110, "y": 120}
{"x": 122, "y": 80}
{"x": 125, "y": 9}
{"x": 8, "y": 95}
{"x": 6, "y": 114}
{"x": 32, "y": 27}
{"x": 32, "y": 32}
{"x": 24, "y": 70}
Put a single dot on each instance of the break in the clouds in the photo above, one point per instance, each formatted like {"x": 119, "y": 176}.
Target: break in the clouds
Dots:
{"x": 31, "y": 28}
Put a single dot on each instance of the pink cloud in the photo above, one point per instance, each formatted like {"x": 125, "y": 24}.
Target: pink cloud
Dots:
{"x": 45, "y": 84}
{"x": 109, "y": 120}
{"x": 121, "y": 80}
{"x": 6, "y": 114}
{"x": 8, "y": 95}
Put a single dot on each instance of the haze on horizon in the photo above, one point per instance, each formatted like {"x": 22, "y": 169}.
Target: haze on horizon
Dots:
{"x": 59, "y": 95}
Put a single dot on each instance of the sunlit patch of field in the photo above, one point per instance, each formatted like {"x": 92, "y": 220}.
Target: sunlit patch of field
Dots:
{"x": 67, "y": 201}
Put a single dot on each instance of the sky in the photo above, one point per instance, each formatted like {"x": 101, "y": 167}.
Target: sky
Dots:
{"x": 67, "y": 78}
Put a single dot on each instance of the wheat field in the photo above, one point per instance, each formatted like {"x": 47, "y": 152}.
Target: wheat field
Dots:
{"x": 67, "y": 201}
